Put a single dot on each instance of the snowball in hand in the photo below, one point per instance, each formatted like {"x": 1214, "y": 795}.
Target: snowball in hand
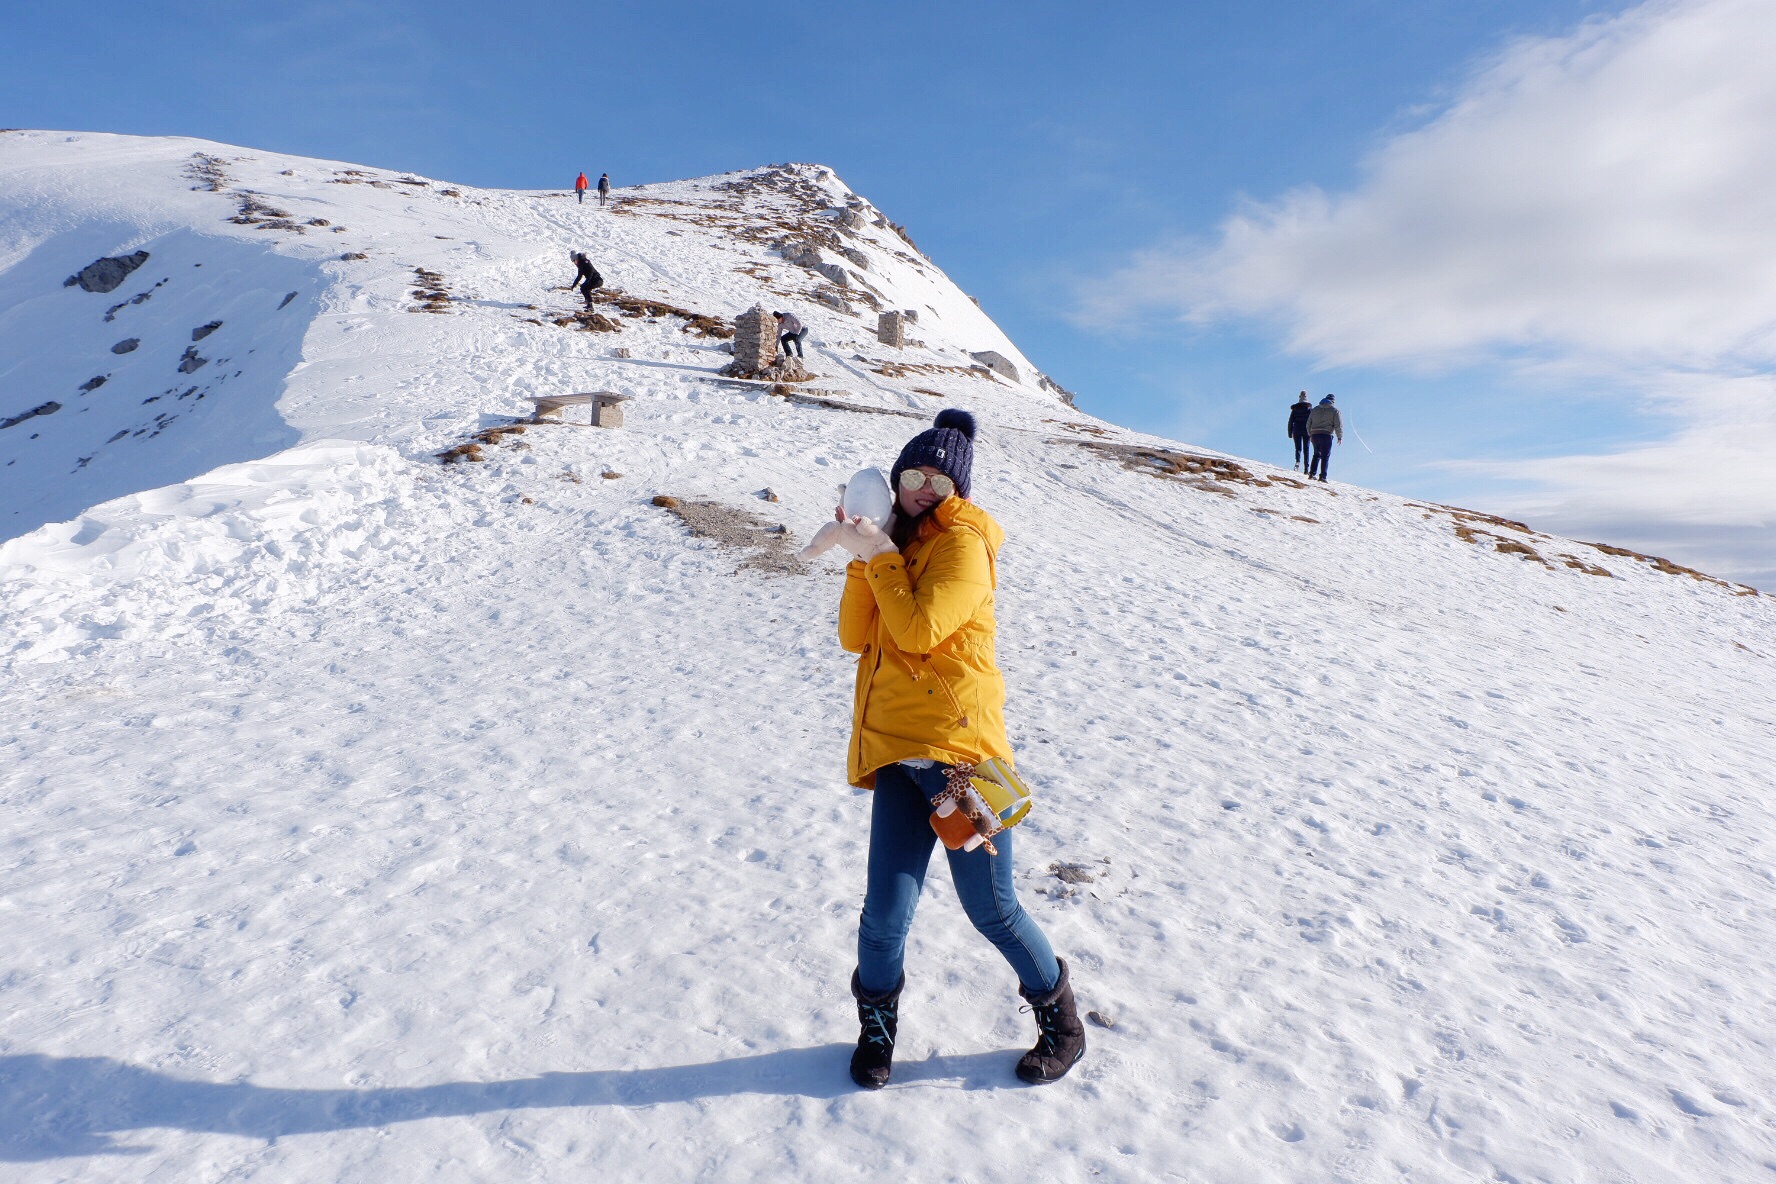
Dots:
{"x": 867, "y": 496}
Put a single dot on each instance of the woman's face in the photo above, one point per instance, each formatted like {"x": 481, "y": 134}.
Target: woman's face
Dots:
{"x": 914, "y": 502}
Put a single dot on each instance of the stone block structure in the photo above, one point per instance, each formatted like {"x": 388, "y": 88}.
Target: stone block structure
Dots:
{"x": 755, "y": 340}
{"x": 891, "y": 329}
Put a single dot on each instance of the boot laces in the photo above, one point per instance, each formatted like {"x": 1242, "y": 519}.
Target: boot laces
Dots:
{"x": 1048, "y": 1026}
{"x": 875, "y": 1024}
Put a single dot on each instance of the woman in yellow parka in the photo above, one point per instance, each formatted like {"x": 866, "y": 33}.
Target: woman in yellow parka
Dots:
{"x": 918, "y": 613}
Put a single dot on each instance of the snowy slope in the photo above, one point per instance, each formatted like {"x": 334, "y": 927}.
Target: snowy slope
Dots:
{"x": 368, "y": 817}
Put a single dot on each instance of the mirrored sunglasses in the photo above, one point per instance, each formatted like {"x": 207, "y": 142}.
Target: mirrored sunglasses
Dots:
{"x": 915, "y": 479}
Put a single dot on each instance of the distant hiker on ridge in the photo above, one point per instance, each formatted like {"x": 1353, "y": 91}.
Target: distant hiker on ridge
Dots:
{"x": 1322, "y": 422}
{"x": 1298, "y": 414}
{"x": 586, "y": 279}
{"x": 604, "y": 188}
{"x": 928, "y": 724}
{"x": 580, "y": 188}
{"x": 790, "y": 332}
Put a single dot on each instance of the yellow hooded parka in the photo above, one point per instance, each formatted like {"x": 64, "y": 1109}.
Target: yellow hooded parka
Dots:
{"x": 921, "y": 623}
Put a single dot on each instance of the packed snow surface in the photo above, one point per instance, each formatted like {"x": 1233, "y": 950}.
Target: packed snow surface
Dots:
{"x": 368, "y": 817}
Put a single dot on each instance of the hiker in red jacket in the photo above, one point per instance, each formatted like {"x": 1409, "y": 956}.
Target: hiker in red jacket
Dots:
{"x": 580, "y": 188}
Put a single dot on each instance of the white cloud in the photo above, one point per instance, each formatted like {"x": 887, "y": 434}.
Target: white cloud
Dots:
{"x": 1601, "y": 205}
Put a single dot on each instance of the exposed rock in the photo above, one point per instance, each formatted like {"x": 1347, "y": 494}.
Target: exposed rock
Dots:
{"x": 291, "y": 296}
{"x": 802, "y": 254}
{"x": 620, "y": 352}
{"x": 1048, "y": 384}
{"x": 785, "y": 369}
{"x": 49, "y": 408}
{"x": 190, "y": 363}
{"x": 911, "y": 314}
{"x": 104, "y": 275}
{"x": 891, "y": 329}
{"x": 138, "y": 298}
{"x": 858, "y": 258}
{"x": 349, "y": 257}
{"x": 127, "y": 345}
{"x": 852, "y": 220}
{"x": 203, "y": 331}
{"x": 834, "y": 273}
{"x": 835, "y": 301}
{"x": 997, "y": 362}
{"x": 94, "y": 383}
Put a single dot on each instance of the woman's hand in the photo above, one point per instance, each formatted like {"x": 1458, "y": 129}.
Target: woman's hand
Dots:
{"x": 864, "y": 539}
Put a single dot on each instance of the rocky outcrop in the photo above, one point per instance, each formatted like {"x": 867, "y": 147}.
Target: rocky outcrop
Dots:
{"x": 107, "y": 274}
{"x": 998, "y": 363}
{"x": 49, "y": 408}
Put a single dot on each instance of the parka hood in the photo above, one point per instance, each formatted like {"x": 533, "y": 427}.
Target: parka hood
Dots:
{"x": 956, "y": 511}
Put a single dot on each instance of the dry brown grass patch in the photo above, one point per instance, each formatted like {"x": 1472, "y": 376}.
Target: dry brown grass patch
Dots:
{"x": 767, "y": 544}
{"x": 1663, "y": 565}
{"x": 1212, "y": 474}
{"x": 1590, "y": 569}
{"x": 589, "y": 322}
{"x": 1087, "y": 429}
{"x": 636, "y": 307}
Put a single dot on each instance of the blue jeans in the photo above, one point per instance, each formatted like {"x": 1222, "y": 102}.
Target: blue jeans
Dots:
{"x": 901, "y": 840}
{"x": 1322, "y": 455}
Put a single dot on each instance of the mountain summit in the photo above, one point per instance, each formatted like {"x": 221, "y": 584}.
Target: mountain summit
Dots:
{"x": 402, "y": 787}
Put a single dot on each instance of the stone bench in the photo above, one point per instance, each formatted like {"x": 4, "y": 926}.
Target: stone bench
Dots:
{"x": 606, "y": 407}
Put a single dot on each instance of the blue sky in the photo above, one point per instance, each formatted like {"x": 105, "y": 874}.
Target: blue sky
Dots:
{"x": 1076, "y": 168}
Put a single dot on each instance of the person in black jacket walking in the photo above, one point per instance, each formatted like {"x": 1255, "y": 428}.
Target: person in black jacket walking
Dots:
{"x": 586, "y": 279}
{"x": 604, "y": 188}
{"x": 1298, "y": 413}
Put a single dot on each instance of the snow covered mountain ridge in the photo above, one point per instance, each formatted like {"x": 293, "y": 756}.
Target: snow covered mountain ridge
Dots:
{"x": 489, "y": 816}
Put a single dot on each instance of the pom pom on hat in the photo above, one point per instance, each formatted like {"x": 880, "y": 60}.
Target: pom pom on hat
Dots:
{"x": 947, "y": 446}
{"x": 953, "y": 417}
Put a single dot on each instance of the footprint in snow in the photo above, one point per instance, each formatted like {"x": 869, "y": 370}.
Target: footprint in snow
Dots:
{"x": 1570, "y": 932}
{"x": 1689, "y": 1105}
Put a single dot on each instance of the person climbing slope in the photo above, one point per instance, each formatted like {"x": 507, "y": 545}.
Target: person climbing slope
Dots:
{"x": 1321, "y": 424}
{"x": 580, "y": 188}
{"x": 604, "y": 188}
{"x": 929, "y": 703}
{"x": 586, "y": 278}
{"x": 1298, "y": 413}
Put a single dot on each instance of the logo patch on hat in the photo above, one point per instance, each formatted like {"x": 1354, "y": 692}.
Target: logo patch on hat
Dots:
{"x": 940, "y": 454}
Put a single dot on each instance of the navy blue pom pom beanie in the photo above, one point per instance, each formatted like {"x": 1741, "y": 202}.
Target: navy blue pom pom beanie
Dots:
{"x": 947, "y": 446}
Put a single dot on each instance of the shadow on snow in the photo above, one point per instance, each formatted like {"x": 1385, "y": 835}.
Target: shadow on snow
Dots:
{"x": 52, "y": 1107}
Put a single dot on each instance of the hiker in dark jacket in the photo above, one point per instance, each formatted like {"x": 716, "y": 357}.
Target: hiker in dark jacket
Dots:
{"x": 587, "y": 279}
{"x": 790, "y": 331}
{"x": 1322, "y": 423}
{"x": 604, "y": 188}
{"x": 1298, "y": 429}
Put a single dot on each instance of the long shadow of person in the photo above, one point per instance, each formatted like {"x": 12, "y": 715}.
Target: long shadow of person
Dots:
{"x": 56, "y": 1107}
